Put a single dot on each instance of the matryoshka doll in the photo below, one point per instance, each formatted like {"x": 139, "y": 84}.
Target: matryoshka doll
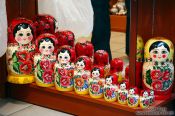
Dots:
{"x": 85, "y": 48}
{"x": 151, "y": 97}
{"x": 116, "y": 66}
{"x": 82, "y": 73}
{"x": 133, "y": 97}
{"x": 65, "y": 38}
{"x": 111, "y": 88}
{"x": 158, "y": 69}
{"x": 64, "y": 68}
{"x": 45, "y": 24}
{"x": 101, "y": 57}
{"x": 123, "y": 92}
{"x": 20, "y": 51}
{"x": 96, "y": 82}
{"x": 144, "y": 99}
{"x": 45, "y": 59}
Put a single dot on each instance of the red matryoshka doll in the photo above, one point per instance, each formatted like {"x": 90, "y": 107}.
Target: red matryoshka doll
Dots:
{"x": 158, "y": 68}
{"x": 64, "y": 68}
{"x": 111, "y": 88}
{"x": 20, "y": 51}
{"x": 133, "y": 97}
{"x": 84, "y": 48}
{"x": 45, "y": 24}
{"x": 96, "y": 82}
{"x": 116, "y": 66}
{"x": 65, "y": 38}
{"x": 45, "y": 59}
{"x": 144, "y": 99}
{"x": 82, "y": 73}
{"x": 123, "y": 92}
{"x": 101, "y": 57}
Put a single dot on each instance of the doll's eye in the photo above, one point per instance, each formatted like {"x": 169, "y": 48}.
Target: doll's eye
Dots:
{"x": 164, "y": 52}
{"x": 81, "y": 64}
{"x": 28, "y": 34}
{"x": 50, "y": 47}
{"x": 66, "y": 57}
{"x": 43, "y": 47}
{"x": 20, "y": 34}
{"x": 77, "y": 64}
{"x": 60, "y": 56}
{"x": 155, "y": 52}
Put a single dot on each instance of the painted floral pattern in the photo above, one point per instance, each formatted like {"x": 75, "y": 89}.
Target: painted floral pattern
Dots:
{"x": 132, "y": 100}
{"x": 122, "y": 96}
{"x": 96, "y": 87}
{"x": 110, "y": 92}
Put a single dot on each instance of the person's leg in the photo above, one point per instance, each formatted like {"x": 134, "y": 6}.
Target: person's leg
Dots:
{"x": 101, "y": 30}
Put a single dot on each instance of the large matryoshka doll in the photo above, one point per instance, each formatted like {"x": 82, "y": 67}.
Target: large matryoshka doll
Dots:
{"x": 133, "y": 97}
{"x": 111, "y": 88}
{"x": 64, "y": 68}
{"x": 20, "y": 51}
{"x": 116, "y": 66}
{"x": 45, "y": 59}
{"x": 85, "y": 48}
{"x": 144, "y": 99}
{"x": 82, "y": 73}
{"x": 123, "y": 92}
{"x": 139, "y": 61}
{"x": 101, "y": 57}
{"x": 45, "y": 24}
{"x": 158, "y": 69}
{"x": 65, "y": 38}
{"x": 96, "y": 82}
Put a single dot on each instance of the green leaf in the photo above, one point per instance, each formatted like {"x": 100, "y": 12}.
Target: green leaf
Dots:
{"x": 39, "y": 74}
{"x": 38, "y": 66}
{"x": 16, "y": 67}
{"x": 148, "y": 77}
{"x": 15, "y": 59}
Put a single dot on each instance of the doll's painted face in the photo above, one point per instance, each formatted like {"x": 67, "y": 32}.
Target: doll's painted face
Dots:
{"x": 23, "y": 34}
{"x": 152, "y": 93}
{"x": 131, "y": 91}
{"x": 95, "y": 73}
{"x": 80, "y": 64}
{"x": 109, "y": 80}
{"x": 159, "y": 52}
{"x": 122, "y": 86}
{"x": 46, "y": 47}
{"x": 64, "y": 56}
{"x": 145, "y": 94}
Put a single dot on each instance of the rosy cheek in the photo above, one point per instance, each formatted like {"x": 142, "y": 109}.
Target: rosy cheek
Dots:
{"x": 154, "y": 56}
{"x": 30, "y": 38}
{"x": 18, "y": 39}
{"x": 51, "y": 50}
{"x": 41, "y": 50}
{"x": 163, "y": 56}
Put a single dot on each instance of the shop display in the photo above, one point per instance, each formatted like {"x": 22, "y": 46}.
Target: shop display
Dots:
{"x": 111, "y": 88}
{"x": 158, "y": 69}
{"x": 144, "y": 99}
{"x": 127, "y": 72}
{"x": 44, "y": 59}
{"x": 101, "y": 57}
{"x": 133, "y": 97}
{"x": 119, "y": 8}
{"x": 20, "y": 50}
{"x": 45, "y": 24}
{"x": 123, "y": 92}
{"x": 96, "y": 82}
{"x": 64, "y": 68}
{"x": 82, "y": 73}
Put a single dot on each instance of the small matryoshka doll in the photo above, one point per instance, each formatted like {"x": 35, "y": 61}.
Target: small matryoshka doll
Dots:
{"x": 45, "y": 24}
{"x": 151, "y": 97}
{"x": 133, "y": 97}
{"x": 158, "y": 68}
{"x": 20, "y": 51}
{"x": 111, "y": 88}
{"x": 44, "y": 60}
{"x": 65, "y": 38}
{"x": 64, "y": 68}
{"x": 96, "y": 82}
{"x": 123, "y": 92}
{"x": 84, "y": 48}
{"x": 82, "y": 73}
{"x": 116, "y": 66}
{"x": 101, "y": 57}
{"x": 144, "y": 99}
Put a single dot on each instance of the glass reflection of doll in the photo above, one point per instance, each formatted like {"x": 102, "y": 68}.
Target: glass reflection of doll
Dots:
{"x": 144, "y": 99}
{"x": 133, "y": 97}
{"x": 82, "y": 74}
{"x": 96, "y": 82}
{"x": 110, "y": 88}
{"x": 158, "y": 73}
{"x": 20, "y": 51}
{"x": 122, "y": 93}
{"x": 44, "y": 60}
{"x": 64, "y": 69}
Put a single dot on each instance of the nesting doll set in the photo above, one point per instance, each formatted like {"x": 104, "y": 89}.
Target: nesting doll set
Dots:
{"x": 133, "y": 97}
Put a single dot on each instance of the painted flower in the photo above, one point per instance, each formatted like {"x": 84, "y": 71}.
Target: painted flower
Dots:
{"x": 95, "y": 88}
{"x": 79, "y": 82}
{"x": 157, "y": 85}
{"x": 84, "y": 76}
{"x": 131, "y": 100}
{"x": 166, "y": 75}
{"x": 71, "y": 73}
{"x": 26, "y": 67}
{"x": 123, "y": 97}
{"x": 109, "y": 92}
{"x": 156, "y": 74}
{"x": 62, "y": 72}
{"x": 48, "y": 76}
{"x": 146, "y": 102}
{"x": 23, "y": 56}
{"x": 100, "y": 83}
{"x": 45, "y": 65}
{"x": 65, "y": 81}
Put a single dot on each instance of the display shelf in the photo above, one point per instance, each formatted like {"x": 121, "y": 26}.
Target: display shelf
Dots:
{"x": 70, "y": 102}
{"x": 118, "y": 23}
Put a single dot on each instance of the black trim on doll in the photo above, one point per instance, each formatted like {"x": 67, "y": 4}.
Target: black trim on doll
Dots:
{"x": 95, "y": 69}
{"x": 80, "y": 60}
{"x": 159, "y": 44}
{"x": 63, "y": 50}
{"x": 47, "y": 40}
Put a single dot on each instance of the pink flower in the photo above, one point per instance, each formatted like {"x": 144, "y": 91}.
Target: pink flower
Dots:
{"x": 47, "y": 76}
{"x": 96, "y": 88}
{"x": 65, "y": 81}
{"x": 45, "y": 65}
{"x": 156, "y": 74}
